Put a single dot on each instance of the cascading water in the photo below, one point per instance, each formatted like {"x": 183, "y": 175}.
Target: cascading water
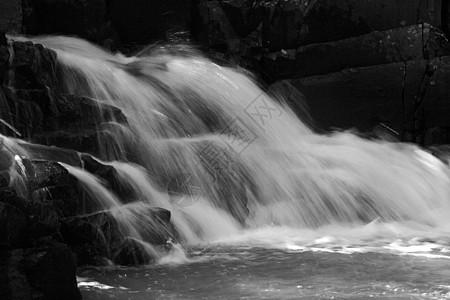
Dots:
{"x": 235, "y": 166}
{"x": 188, "y": 115}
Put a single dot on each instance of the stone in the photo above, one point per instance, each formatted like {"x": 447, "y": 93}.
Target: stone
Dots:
{"x": 73, "y": 17}
{"x": 142, "y": 21}
{"x": 38, "y": 273}
{"x": 110, "y": 175}
{"x": 11, "y": 16}
{"x": 379, "y": 47}
{"x": 100, "y": 235}
{"x": 361, "y": 98}
{"x": 42, "y": 152}
{"x": 13, "y": 280}
{"x": 436, "y": 104}
{"x": 33, "y": 66}
{"x": 70, "y": 112}
{"x": 16, "y": 224}
{"x": 51, "y": 272}
{"x": 340, "y": 19}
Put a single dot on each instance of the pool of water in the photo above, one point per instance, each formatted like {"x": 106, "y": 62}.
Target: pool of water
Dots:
{"x": 408, "y": 268}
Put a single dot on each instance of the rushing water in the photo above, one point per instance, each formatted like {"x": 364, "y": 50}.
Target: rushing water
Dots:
{"x": 264, "y": 207}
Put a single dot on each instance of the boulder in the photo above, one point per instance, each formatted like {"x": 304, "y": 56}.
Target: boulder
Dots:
{"x": 101, "y": 235}
{"x": 11, "y": 16}
{"x": 143, "y": 21}
{"x": 38, "y": 273}
{"x": 340, "y": 19}
{"x": 69, "y": 112}
{"x": 363, "y": 97}
{"x": 32, "y": 67}
{"x": 41, "y": 152}
{"x": 16, "y": 225}
{"x": 51, "y": 272}
{"x": 14, "y": 283}
{"x": 86, "y": 19}
{"x": 109, "y": 174}
{"x": 379, "y": 47}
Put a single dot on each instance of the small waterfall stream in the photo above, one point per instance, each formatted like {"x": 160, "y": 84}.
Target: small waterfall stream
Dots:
{"x": 248, "y": 186}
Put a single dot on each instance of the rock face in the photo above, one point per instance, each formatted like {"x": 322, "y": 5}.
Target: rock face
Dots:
{"x": 11, "y": 16}
{"x": 48, "y": 223}
{"x": 34, "y": 107}
{"x": 39, "y": 273}
{"x": 86, "y": 19}
{"x": 141, "y": 21}
{"x": 408, "y": 43}
{"x": 98, "y": 236}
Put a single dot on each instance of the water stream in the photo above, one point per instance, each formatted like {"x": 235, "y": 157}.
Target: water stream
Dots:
{"x": 264, "y": 206}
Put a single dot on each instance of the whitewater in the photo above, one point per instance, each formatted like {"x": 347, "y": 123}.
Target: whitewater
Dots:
{"x": 263, "y": 183}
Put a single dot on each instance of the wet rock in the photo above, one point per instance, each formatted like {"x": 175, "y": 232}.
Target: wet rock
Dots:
{"x": 82, "y": 124}
{"x": 33, "y": 66}
{"x": 100, "y": 142}
{"x": 230, "y": 183}
{"x": 396, "y": 45}
{"x": 38, "y": 273}
{"x": 16, "y": 225}
{"x": 101, "y": 234}
{"x": 52, "y": 193}
{"x": 13, "y": 280}
{"x": 336, "y": 20}
{"x": 11, "y": 16}
{"x": 69, "y": 112}
{"x": 4, "y": 56}
{"x": 131, "y": 253}
{"x": 110, "y": 175}
{"x": 51, "y": 272}
{"x": 436, "y": 94}
{"x": 86, "y": 19}
{"x": 142, "y": 21}
{"x": 4, "y": 179}
{"x": 41, "y": 152}
{"x": 362, "y": 97}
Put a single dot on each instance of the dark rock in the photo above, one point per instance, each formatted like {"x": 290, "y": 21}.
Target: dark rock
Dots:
{"x": 52, "y": 193}
{"x": 51, "y": 272}
{"x": 70, "y": 112}
{"x": 142, "y": 21}
{"x": 67, "y": 121}
{"x": 4, "y": 179}
{"x": 11, "y": 16}
{"x": 3, "y": 40}
{"x": 82, "y": 124}
{"x": 110, "y": 175}
{"x": 13, "y": 280}
{"x": 436, "y": 104}
{"x": 102, "y": 235}
{"x": 4, "y": 61}
{"x": 33, "y": 66}
{"x": 336, "y": 20}
{"x": 362, "y": 97}
{"x": 38, "y": 273}
{"x": 86, "y": 19}
{"x": 131, "y": 253}
{"x": 9, "y": 195}
{"x": 396, "y": 45}
{"x": 16, "y": 224}
{"x": 41, "y": 152}
{"x": 100, "y": 142}
{"x": 42, "y": 173}
{"x": 26, "y": 114}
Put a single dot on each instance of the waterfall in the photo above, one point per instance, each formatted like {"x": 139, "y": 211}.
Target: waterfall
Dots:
{"x": 249, "y": 160}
